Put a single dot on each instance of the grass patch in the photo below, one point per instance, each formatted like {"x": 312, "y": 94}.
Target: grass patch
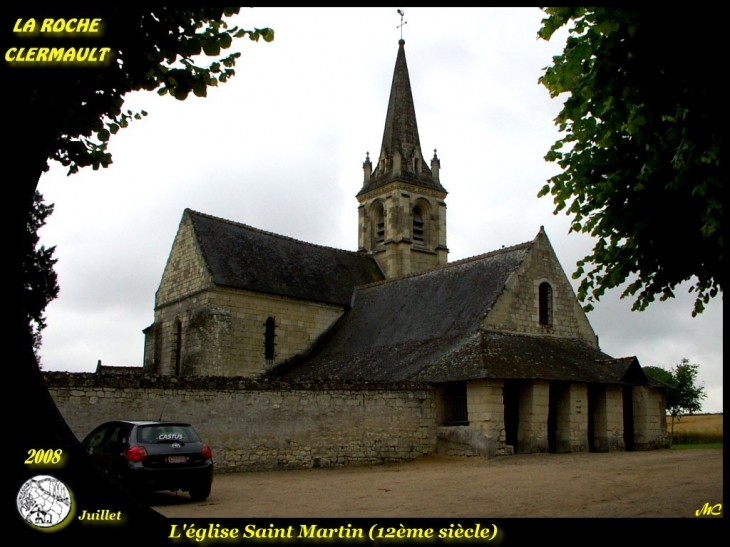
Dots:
{"x": 696, "y": 446}
{"x": 696, "y": 437}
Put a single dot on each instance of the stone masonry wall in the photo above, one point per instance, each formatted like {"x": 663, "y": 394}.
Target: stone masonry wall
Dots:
{"x": 608, "y": 432}
{"x": 399, "y": 254}
{"x": 532, "y": 434}
{"x": 185, "y": 272}
{"x": 422, "y": 260}
{"x": 298, "y": 325}
{"x": 161, "y": 339}
{"x": 650, "y": 423}
{"x": 223, "y": 331}
{"x": 517, "y": 308}
{"x": 486, "y": 412}
{"x": 256, "y": 425}
{"x": 576, "y": 415}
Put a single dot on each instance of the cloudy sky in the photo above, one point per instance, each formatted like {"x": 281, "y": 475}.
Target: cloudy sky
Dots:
{"x": 281, "y": 145}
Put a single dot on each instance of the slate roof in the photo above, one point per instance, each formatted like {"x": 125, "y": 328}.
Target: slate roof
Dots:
{"x": 443, "y": 302}
{"x": 401, "y": 133}
{"x": 116, "y": 369}
{"x": 243, "y": 257}
{"x": 632, "y": 372}
{"x": 483, "y": 354}
{"x": 425, "y": 328}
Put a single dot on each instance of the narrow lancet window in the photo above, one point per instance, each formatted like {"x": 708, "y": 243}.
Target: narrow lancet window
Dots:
{"x": 269, "y": 340}
{"x": 546, "y": 304}
{"x": 178, "y": 347}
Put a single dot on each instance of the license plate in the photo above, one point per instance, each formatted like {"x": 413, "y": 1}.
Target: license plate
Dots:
{"x": 176, "y": 459}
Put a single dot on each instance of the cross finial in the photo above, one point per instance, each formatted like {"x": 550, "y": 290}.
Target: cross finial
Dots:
{"x": 402, "y": 15}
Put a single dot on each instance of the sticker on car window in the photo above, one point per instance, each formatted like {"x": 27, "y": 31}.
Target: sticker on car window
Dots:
{"x": 170, "y": 437}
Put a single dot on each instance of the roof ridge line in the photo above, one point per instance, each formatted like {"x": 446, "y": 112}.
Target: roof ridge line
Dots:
{"x": 451, "y": 264}
{"x": 260, "y": 231}
{"x": 492, "y": 330}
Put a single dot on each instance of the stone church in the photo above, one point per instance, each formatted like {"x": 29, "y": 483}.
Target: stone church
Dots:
{"x": 493, "y": 353}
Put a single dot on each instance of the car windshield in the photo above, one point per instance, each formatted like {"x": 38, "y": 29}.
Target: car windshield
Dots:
{"x": 166, "y": 433}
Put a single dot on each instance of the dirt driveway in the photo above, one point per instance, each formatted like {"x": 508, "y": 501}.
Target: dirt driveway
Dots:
{"x": 663, "y": 483}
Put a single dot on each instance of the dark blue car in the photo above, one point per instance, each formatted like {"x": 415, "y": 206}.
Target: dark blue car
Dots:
{"x": 152, "y": 456}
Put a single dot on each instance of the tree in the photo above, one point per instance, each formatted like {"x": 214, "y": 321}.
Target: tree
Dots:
{"x": 67, "y": 112}
{"x": 640, "y": 154}
{"x": 684, "y": 396}
{"x": 41, "y": 281}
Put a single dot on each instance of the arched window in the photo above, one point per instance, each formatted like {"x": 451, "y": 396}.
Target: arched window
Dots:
{"x": 178, "y": 346}
{"x": 269, "y": 340}
{"x": 418, "y": 228}
{"x": 546, "y": 303}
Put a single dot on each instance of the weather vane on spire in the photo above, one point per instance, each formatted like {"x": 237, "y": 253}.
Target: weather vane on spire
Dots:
{"x": 402, "y": 15}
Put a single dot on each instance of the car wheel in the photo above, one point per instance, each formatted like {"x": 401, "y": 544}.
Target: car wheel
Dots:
{"x": 200, "y": 493}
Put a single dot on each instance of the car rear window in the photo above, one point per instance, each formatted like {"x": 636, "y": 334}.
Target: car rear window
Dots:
{"x": 166, "y": 433}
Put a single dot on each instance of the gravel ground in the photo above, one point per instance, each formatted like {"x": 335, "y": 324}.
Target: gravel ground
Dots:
{"x": 662, "y": 483}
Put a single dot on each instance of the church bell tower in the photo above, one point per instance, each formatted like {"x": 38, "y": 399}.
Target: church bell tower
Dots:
{"x": 402, "y": 212}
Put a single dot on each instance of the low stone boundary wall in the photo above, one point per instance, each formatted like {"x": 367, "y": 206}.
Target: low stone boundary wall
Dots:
{"x": 262, "y": 424}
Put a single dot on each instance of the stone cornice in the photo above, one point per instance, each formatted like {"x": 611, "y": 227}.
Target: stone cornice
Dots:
{"x": 403, "y": 186}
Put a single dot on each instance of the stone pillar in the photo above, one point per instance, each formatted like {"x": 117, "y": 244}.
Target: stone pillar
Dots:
{"x": 650, "y": 424}
{"x": 485, "y": 405}
{"x": 608, "y": 424}
{"x": 578, "y": 417}
{"x": 532, "y": 429}
{"x": 571, "y": 419}
{"x": 560, "y": 405}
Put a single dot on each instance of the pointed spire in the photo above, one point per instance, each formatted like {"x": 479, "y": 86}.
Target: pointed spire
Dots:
{"x": 401, "y": 129}
{"x": 400, "y": 154}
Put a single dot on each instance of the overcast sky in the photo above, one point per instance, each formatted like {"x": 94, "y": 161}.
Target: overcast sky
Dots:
{"x": 281, "y": 145}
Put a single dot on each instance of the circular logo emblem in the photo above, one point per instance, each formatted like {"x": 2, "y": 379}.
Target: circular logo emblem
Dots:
{"x": 44, "y": 501}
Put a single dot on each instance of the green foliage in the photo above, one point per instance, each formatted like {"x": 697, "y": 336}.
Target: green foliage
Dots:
{"x": 40, "y": 280}
{"x": 640, "y": 151}
{"x": 684, "y": 397}
{"x": 695, "y": 438}
{"x": 161, "y": 49}
{"x": 688, "y": 396}
{"x": 701, "y": 444}
{"x": 660, "y": 374}
{"x": 69, "y": 113}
